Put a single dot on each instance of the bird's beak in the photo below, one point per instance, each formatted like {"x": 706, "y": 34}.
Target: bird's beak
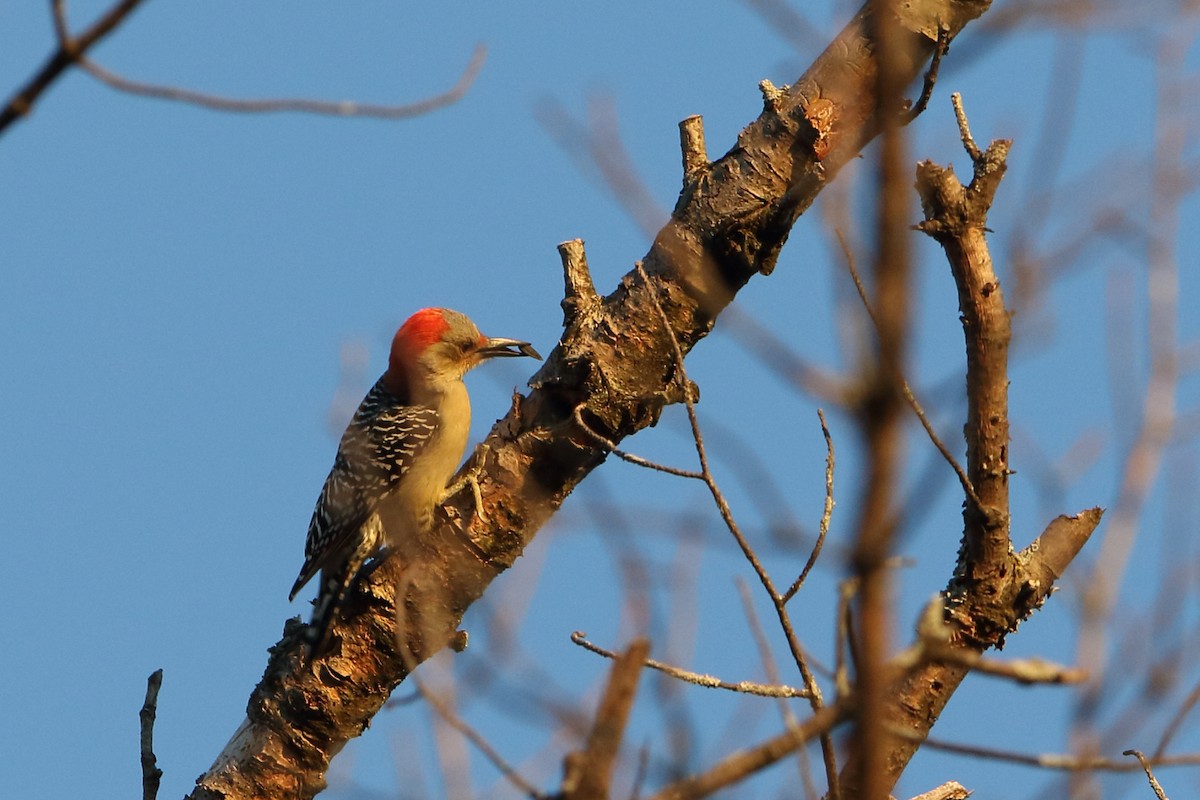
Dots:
{"x": 504, "y": 347}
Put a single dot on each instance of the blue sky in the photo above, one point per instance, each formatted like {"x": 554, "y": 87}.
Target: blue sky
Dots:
{"x": 194, "y": 302}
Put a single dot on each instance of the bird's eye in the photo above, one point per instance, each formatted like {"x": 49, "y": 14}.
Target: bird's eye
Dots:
{"x": 464, "y": 347}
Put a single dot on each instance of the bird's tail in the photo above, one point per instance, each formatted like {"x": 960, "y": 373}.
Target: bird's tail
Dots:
{"x": 325, "y": 609}
{"x": 336, "y": 583}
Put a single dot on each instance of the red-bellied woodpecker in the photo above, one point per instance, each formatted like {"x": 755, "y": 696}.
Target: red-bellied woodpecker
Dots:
{"x": 403, "y": 446}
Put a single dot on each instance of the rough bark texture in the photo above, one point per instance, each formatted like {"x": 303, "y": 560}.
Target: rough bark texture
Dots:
{"x": 614, "y": 363}
{"x": 993, "y": 589}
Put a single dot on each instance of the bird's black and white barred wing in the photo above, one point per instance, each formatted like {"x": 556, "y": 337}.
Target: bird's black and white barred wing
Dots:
{"x": 378, "y": 447}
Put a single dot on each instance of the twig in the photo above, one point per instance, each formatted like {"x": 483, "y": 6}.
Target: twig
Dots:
{"x": 151, "y": 774}
{"x": 965, "y": 481}
{"x": 69, "y": 51}
{"x": 701, "y": 452}
{"x": 737, "y": 766}
{"x": 73, "y": 51}
{"x": 1056, "y": 761}
{"x": 772, "y": 671}
{"x": 1024, "y": 670}
{"x": 59, "y": 14}
{"x": 935, "y": 643}
{"x": 1143, "y": 458}
{"x": 1176, "y": 721}
{"x": 450, "y": 746}
{"x": 828, "y": 753}
{"x": 707, "y": 681}
{"x": 611, "y": 446}
{"x": 964, "y": 130}
{"x": 452, "y": 719}
{"x": 588, "y": 773}
{"x": 826, "y": 513}
{"x": 344, "y": 108}
{"x": 844, "y": 651}
{"x": 1154, "y": 784}
{"x": 931, "y": 75}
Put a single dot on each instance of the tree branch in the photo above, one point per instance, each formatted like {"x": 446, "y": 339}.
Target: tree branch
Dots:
{"x": 993, "y": 589}
{"x": 151, "y": 774}
{"x": 275, "y": 105}
{"x": 589, "y": 771}
{"x": 69, "y": 51}
{"x": 617, "y": 362}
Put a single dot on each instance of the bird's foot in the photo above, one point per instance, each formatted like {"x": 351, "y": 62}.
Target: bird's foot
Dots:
{"x": 471, "y": 478}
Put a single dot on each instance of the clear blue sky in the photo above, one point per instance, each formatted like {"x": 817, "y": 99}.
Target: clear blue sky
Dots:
{"x": 193, "y": 302}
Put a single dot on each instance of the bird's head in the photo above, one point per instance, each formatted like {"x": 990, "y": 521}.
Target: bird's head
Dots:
{"x": 436, "y": 346}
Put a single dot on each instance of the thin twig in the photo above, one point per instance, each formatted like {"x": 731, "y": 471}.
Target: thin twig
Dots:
{"x": 702, "y": 453}
{"x": 826, "y": 513}
{"x": 588, "y": 772}
{"x": 59, "y": 13}
{"x": 935, "y": 644}
{"x": 1154, "y": 784}
{"x": 639, "y": 777}
{"x": 611, "y": 447}
{"x": 69, "y": 51}
{"x": 1063, "y": 762}
{"x": 707, "y": 681}
{"x": 829, "y": 755}
{"x": 745, "y": 762}
{"x": 844, "y": 652}
{"x": 964, "y": 129}
{"x": 772, "y": 671}
{"x": 968, "y": 489}
{"x": 343, "y": 108}
{"x": 151, "y": 774}
{"x": 452, "y": 719}
{"x": 1176, "y": 721}
{"x": 1160, "y": 393}
{"x": 931, "y": 75}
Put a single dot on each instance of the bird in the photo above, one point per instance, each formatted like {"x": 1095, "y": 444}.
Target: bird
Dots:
{"x": 402, "y": 446}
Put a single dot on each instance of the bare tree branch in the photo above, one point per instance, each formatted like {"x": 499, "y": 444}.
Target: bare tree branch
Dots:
{"x": 446, "y": 712}
{"x": 151, "y": 774}
{"x": 993, "y": 589}
{"x": 336, "y": 108}
{"x": 613, "y": 358}
{"x": 69, "y": 51}
{"x": 73, "y": 51}
{"x": 1154, "y": 784}
{"x": 589, "y": 771}
{"x": 743, "y": 763}
{"x": 687, "y": 676}
{"x": 879, "y": 411}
